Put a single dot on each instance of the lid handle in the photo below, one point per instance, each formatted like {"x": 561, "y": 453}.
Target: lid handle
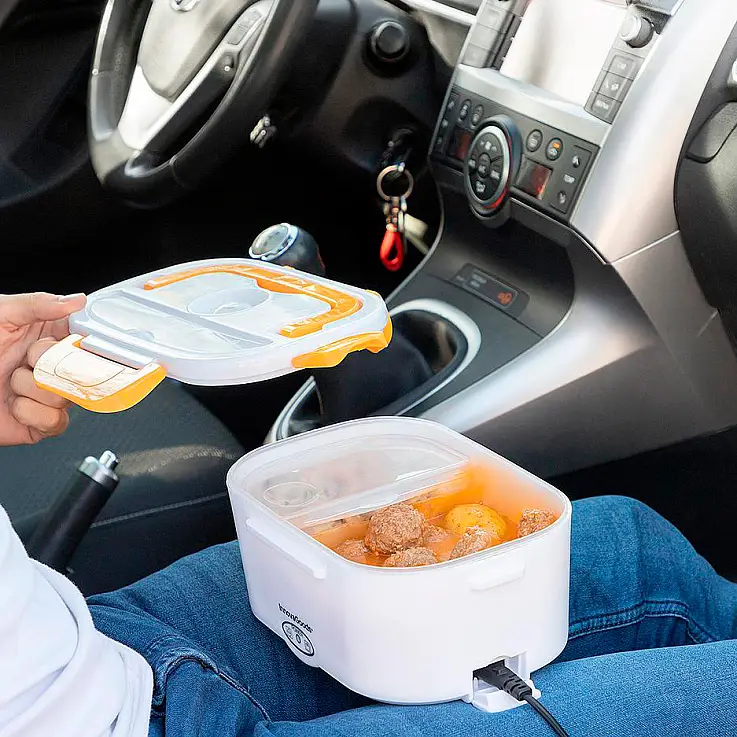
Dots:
{"x": 333, "y": 353}
{"x": 95, "y": 383}
{"x": 342, "y": 305}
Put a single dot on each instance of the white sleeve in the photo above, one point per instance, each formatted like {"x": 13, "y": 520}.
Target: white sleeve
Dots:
{"x": 58, "y": 675}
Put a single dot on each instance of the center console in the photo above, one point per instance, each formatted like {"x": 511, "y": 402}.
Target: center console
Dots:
{"x": 555, "y": 154}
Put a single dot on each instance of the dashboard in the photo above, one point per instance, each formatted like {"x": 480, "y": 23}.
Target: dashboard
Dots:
{"x": 572, "y": 65}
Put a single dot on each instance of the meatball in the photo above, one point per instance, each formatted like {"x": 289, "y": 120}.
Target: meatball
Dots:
{"x": 433, "y": 534}
{"x": 354, "y": 550}
{"x": 394, "y": 529}
{"x": 534, "y": 520}
{"x": 474, "y": 540}
{"x": 411, "y": 558}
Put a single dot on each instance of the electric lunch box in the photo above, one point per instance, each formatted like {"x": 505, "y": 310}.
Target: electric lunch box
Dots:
{"x": 399, "y": 635}
{"x": 213, "y": 322}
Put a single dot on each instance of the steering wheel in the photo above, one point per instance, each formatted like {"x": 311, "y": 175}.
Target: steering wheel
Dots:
{"x": 176, "y": 85}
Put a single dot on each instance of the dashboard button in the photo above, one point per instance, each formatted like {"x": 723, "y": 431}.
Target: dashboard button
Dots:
{"x": 562, "y": 201}
{"x": 604, "y": 108}
{"x": 482, "y": 188}
{"x": 483, "y": 37}
{"x": 444, "y": 123}
{"x": 579, "y": 158}
{"x": 465, "y": 110}
{"x": 478, "y": 114}
{"x": 484, "y": 166}
{"x": 489, "y": 144}
{"x": 439, "y": 144}
{"x": 450, "y": 108}
{"x": 624, "y": 65}
{"x": 495, "y": 174}
{"x": 554, "y": 149}
{"x": 492, "y": 17}
{"x": 534, "y": 140}
{"x": 476, "y": 56}
{"x": 614, "y": 86}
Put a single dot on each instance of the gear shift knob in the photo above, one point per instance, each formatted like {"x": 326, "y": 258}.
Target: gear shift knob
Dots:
{"x": 288, "y": 245}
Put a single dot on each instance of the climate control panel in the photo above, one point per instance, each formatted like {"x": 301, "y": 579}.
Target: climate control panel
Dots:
{"x": 502, "y": 153}
{"x": 491, "y": 164}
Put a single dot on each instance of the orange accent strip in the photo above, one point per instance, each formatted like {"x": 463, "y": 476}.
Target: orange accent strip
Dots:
{"x": 341, "y": 305}
{"x": 93, "y": 382}
{"x": 333, "y": 353}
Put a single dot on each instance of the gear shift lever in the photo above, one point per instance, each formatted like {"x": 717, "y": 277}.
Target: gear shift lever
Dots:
{"x": 364, "y": 382}
{"x": 288, "y": 245}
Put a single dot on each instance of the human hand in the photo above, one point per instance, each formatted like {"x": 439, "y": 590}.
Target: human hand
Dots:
{"x": 29, "y": 325}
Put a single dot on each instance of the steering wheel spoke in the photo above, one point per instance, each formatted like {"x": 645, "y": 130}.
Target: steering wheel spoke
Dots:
{"x": 152, "y": 122}
{"x": 175, "y": 95}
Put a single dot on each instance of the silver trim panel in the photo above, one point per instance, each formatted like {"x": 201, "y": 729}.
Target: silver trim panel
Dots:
{"x": 533, "y": 102}
{"x": 627, "y": 200}
{"x": 441, "y": 10}
{"x": 624, "y": 372}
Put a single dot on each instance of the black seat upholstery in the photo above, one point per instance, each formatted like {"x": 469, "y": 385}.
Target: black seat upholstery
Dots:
{"x": 171, "y": 500}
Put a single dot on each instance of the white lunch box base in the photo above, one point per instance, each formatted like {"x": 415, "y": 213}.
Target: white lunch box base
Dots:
{"x": 407, "y": 635}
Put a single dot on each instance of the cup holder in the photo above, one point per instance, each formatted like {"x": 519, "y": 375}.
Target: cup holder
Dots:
{"x": 433, "y": 344}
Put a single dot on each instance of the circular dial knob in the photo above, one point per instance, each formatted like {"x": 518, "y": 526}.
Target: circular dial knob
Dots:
{"x": 636, "y": 31}
{"x": 389, "y": 42}
{"x": 488, "y": 169}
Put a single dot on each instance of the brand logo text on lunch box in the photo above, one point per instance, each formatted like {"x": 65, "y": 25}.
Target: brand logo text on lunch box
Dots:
{"x": 295, "y": 619}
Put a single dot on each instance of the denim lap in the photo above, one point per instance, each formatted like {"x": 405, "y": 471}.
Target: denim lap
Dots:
{"x": 636, "y": 584}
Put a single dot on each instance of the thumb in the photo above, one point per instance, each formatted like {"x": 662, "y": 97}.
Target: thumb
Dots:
{"x": 19, "y": 310}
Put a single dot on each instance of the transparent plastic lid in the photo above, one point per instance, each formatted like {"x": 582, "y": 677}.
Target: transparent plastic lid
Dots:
{"x": 209, "y": 323}
{"x": 325, "y": 480}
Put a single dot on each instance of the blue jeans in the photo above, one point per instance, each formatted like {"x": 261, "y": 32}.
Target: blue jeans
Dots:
{"x": 652, "y": 649}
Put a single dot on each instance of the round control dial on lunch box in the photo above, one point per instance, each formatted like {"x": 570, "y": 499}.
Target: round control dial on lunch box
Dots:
{"x": 490, "y": 165}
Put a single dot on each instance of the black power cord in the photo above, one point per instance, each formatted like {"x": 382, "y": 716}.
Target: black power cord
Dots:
{"x": 498, "y": 675}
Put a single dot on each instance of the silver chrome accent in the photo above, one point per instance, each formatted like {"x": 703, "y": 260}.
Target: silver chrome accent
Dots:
{"x": 441, "y": 10}
{"x": 286, "y": 244}
{"x": 733, "y": 75}
{"x": 498, "y": 133}
{"x": 400, "y": 168}
{"x": 183, "y": 6}
{"x": 101, "y": 470}
{"x": 463, "y": 322}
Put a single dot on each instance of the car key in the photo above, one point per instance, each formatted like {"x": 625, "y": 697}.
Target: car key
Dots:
{"x": 394, "y": 184}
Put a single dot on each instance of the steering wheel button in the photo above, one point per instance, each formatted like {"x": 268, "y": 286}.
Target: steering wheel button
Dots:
{"x": 484, "y": 166}
{"x": 241, "y": 28}
{"x": 472, "y": 164}
{"x": 534, "y": 140}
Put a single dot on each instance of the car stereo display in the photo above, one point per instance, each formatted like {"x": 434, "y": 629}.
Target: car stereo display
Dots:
{"x": 573, "y": 37}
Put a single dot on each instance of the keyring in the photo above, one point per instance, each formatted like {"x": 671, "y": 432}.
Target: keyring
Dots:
{"x": 399, "y": 169}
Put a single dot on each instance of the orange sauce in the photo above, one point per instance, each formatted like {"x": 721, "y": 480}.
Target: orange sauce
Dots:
{"x": 475, "y": 484}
